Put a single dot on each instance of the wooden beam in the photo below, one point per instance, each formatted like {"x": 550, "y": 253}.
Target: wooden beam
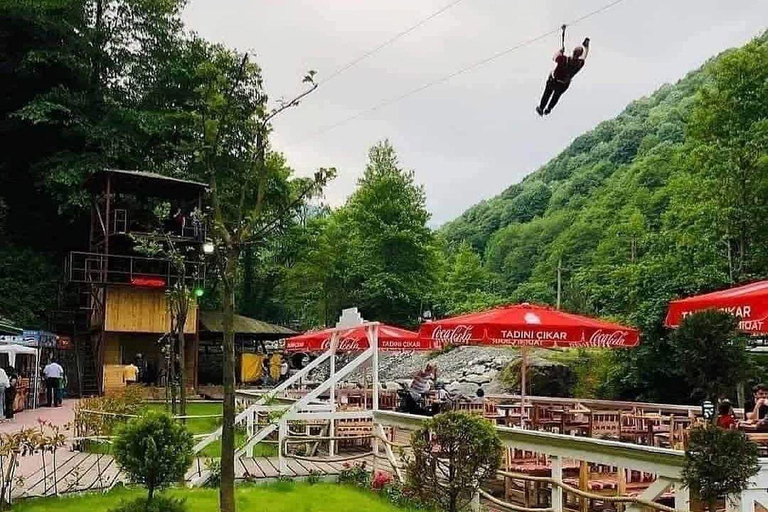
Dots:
{"x": 655, "y": 490}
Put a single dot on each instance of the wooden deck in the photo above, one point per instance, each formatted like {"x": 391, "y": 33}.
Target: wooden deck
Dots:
{"x": 79, "y": 471}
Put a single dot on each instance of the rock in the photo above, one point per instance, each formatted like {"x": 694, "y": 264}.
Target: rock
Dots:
{"x": 478, "y": 368}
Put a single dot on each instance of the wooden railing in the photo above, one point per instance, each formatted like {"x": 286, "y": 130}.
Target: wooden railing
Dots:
{"x": 664, "y": 463}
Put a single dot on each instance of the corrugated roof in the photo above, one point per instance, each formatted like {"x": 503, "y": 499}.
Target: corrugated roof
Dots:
{"x": 212, "y": 321}
{"x": 7, "y": 327}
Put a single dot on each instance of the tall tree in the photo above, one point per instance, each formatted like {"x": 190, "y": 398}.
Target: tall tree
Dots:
{"x": 390, "y": 243}
{"x": 250, "y": 197}
{"x": 731, "y": 123}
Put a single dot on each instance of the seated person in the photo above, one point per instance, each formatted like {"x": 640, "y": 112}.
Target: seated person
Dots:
{"x": 756, "y": 410}
{"x": 422, "y": 382}
{"x": 725, "y": 417}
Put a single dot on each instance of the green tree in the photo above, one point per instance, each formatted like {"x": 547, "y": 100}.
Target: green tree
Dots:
{"x": 731, "y": 123}
{"x": 703, "y": 334}
{"x": 251, "y": 196}
{"x": 453, "y": 454}
{"x": 389, "y": 241}
{"x": 153, "y": 450}
{"x": 718, "y": 463}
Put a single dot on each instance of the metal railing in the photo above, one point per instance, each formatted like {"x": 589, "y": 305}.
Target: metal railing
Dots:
{"x": 100, "y": 269}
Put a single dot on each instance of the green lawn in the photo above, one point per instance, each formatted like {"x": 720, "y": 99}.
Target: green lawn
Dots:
{"x": 280, "y": 497}
{"x": 204, "y": 426}
{"x": 207, "y": 425}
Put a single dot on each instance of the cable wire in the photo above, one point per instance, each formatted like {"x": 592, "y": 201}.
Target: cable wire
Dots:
{"x": 473, "y": 66}
{"x": 386, "y": 43}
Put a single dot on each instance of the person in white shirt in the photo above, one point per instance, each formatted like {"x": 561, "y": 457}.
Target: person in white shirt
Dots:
{"x": 53, "y": 373}
{"x": 5, "y": 383}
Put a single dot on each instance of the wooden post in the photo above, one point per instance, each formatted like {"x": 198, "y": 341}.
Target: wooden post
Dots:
{"x": 683, "y": 498}
{"x": 474, "y": 506}
{"x": 557, "y": 476}
{"x": 584, "y": 485}
{"x": 282, "y": 434}
{"x": 621, "y": 487}
{"x": 332, "y": 427}
{"x": 373, "y": 336}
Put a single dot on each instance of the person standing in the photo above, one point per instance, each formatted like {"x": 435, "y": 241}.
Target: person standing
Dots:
{"x": 10, "y": 392}
{"x": 53, "y": 372}
{"x": 4, "y": 384}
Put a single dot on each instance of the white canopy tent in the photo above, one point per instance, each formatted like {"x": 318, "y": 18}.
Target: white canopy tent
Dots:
{"x": 13, "y": 350}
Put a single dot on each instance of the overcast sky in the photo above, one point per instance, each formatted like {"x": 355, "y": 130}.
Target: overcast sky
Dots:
{"x": 468, "y": 138}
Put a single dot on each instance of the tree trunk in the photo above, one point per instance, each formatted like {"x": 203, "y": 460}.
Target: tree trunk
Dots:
{"x": 227, "y": 489}
{"x": 181, "y": 322}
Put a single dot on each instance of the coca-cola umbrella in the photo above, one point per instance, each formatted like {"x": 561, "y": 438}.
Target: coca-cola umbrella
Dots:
{"x": 528, "y": 325}
{"x": 749, "y": 303}
{"x": 355, "y": 339}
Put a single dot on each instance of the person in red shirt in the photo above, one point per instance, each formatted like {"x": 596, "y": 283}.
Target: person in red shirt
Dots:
{"x": 560, "y": 78}
{"x": 725, "y": 417}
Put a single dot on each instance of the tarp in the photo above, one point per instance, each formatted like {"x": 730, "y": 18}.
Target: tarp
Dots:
{"x": 251, "y": 366}
{"x": 355, "y": 339}
{"x": 749, "y": 303}
{"x": 529, "y": 325}
{"x": 14, "y": 350}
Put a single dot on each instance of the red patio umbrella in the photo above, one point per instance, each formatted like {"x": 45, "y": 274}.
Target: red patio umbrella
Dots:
{"x": 748, "y": 302}
{"x": 355, "y": 339}
{"x": 528, "y": 325}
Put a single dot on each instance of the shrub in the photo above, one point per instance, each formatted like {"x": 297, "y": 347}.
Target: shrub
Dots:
{"x": 718, "y": 462}
{"x": 314, "y": 477}
{"x": 214, "y": 472}
{"x": 453, "y": 453}
{"x": 153, "y": 450}
{"x": 355, "y": 474}
{"x": 118, "y": 404}
{"x": 159, "y": 504}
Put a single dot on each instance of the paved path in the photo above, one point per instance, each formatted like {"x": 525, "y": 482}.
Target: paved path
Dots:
{"x": 29, "y": 418}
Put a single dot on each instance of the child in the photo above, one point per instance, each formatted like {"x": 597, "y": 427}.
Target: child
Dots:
{"x": 725, "y": 416}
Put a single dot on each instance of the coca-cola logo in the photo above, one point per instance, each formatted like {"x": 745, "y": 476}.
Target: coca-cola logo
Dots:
{"x": 601, "y": 338}
{"x": 459, "y": 335}
{"x": 345, "y": 344}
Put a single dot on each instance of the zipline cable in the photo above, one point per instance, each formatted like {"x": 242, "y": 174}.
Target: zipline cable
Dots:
{"x": 475, "y": 65}
{"x": 386, "y": 43}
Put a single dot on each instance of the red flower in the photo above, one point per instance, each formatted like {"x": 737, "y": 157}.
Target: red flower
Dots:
{"x": 380, "y": 480}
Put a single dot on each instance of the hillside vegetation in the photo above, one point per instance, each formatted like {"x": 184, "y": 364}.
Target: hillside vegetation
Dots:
{"x": 667, "y": 199}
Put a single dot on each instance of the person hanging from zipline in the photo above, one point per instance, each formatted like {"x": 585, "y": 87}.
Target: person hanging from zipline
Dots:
{"x": 560, "y": 78}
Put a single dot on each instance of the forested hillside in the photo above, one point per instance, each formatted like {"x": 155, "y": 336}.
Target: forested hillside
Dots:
{"x": 668, "y": 198}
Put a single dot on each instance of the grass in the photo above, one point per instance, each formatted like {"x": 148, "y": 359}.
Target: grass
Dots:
{"x": 203, "y": 426}
{"x": 279, "y": 497}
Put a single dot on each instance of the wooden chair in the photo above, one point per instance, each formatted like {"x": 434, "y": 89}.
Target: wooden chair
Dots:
{"x": 491, "y": 412}
{"x": 605, "y": 424}
{"x": 471, "y": 408}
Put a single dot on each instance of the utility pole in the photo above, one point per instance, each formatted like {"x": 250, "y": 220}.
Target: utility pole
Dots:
{"x": 559, "y": 280}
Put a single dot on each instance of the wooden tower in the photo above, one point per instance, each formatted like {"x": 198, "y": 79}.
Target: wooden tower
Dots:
{"x": 124, "y": 289}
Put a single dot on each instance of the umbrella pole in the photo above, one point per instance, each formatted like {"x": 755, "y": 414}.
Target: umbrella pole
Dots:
{"x": 524, "y": 371}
